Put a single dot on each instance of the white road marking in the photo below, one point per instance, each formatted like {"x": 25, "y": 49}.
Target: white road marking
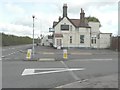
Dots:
{"x": 10, "y": 54}
{"x": 67, "y": 84}
{"x": 71, "y": 72}
{"x": 92, "y": 59}
{"x": 46, "y": 59}
{"x": 53, "y": 70}
{"x": 48, "y": 53}
{"x": 81, "y": 53}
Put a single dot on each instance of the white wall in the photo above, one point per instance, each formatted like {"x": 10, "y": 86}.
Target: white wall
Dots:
{"x": 105, "y": 40}
{"x": 75, "y": 33}
{"x": 94, "y": 27}
{"x": 64, "y": 21}
{"x": 46, "y": 41}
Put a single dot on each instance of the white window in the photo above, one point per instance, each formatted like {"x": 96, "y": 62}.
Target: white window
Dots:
{"x": 82, "y": 38}
{"x": 93, "y": 40}
{"x": 70, "y": 27}
{"x": 70, "y": 39}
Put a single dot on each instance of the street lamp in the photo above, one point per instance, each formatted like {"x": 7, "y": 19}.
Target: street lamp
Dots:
{"x": 33, "y": 35}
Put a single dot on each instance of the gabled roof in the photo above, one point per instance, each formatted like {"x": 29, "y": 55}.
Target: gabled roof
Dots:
{"x": 75, "y": 22}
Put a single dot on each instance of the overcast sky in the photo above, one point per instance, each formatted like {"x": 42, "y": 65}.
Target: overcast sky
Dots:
{"x": 16, "y": 15}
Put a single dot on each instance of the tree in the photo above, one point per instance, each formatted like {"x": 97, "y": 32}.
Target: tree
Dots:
{"x": 94, "y": 19}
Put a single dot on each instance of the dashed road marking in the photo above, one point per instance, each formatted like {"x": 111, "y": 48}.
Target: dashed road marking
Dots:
{"x": 109, "y": 59}
{"x": 81, "y": 53}
{"x": 10, "y": 54}
{"x": 46, "y": 59}
{"x": 48, "y": 53}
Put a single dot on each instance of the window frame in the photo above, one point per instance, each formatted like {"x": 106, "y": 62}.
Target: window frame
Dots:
{"x": 93, "y": 40}
{"x": 82, "y": 39}
{"x": 70, "y": 39}
{"x": 64, "y": 29}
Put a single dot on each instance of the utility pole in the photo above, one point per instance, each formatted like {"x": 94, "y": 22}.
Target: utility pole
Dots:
{"x": 33, "y": 35}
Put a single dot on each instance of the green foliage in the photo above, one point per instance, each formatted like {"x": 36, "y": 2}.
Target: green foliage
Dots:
{"x": 8, "y": 40}
{"x": 93, "y": 19}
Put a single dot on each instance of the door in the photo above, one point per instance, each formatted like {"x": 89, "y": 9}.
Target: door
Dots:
{"x": 59, "y": 42}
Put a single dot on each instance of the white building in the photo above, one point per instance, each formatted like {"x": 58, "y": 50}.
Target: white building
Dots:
{"x": 47, "y": 40}
{"x": 78, "y": 32}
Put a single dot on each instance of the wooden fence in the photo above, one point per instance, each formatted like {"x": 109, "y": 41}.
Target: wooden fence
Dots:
{"x": 115, "y": 43}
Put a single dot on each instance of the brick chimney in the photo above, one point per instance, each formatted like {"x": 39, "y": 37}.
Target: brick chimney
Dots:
{"x": 82, "y": 17}
{"x": 65, "y": 10}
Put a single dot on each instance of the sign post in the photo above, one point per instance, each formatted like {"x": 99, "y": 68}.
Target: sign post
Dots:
{"x": 28, "y": 56}
{"x": 65, "y": 54}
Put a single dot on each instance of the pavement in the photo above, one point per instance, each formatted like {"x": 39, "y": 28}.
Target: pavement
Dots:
{"x": 109, "y": 81}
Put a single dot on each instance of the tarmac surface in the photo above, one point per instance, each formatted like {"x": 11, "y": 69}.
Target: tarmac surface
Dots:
{"x": 100, "y": 68}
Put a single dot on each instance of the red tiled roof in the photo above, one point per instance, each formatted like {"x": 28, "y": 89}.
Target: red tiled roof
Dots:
{"x": 75, "y": 22}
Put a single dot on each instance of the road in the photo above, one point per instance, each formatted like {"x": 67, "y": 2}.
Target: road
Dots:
{"x": 15, "y": 52}
{"x": 51, "y": 74}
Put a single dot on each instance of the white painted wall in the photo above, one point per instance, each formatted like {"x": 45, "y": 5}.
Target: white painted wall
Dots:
{"x": 105, "y": 40}
{"x": 94, "y": 27}
{"x": 46, "y": 41}
{"x": 64, "y": 21}
{"x": 75, "y": 33}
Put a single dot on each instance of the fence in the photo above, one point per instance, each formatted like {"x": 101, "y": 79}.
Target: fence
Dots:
{"x": 115, "y": 43}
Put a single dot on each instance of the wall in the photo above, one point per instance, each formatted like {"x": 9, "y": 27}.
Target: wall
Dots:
{"x": 46, "y": 42}
{"x": 115, "y": 43}
{"x": 75, "y": 33}
{"x": 94, "y": 27}
{"x": 105, "y": 40}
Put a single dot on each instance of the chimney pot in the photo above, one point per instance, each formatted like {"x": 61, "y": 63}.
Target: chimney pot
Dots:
{"x": 59, "y": 18}
{"x": 65, "y": 10}
{"x": 82, "y": 17}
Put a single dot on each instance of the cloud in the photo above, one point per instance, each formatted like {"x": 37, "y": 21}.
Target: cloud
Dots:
{"x": 14, "y": 9}
{"x": 74, "y": 7}
{"x": 16, "y": 29}
{"x": 21, "y": 24}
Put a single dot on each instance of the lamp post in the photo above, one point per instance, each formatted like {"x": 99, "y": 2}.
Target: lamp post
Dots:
{"x": 33, "y": 35}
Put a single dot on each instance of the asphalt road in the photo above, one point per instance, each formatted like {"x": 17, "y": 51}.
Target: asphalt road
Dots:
{"x": 15, "y": 52}
{"x": 94, "y": 64}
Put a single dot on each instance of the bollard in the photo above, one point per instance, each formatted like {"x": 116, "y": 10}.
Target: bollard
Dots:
{"x": 28, "y": 56}
{"x": 65, "y": 54}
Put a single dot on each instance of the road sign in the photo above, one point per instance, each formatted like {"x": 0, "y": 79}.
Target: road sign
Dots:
{"x": 65, "y": 54}
{"x": 29, "y": 54}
